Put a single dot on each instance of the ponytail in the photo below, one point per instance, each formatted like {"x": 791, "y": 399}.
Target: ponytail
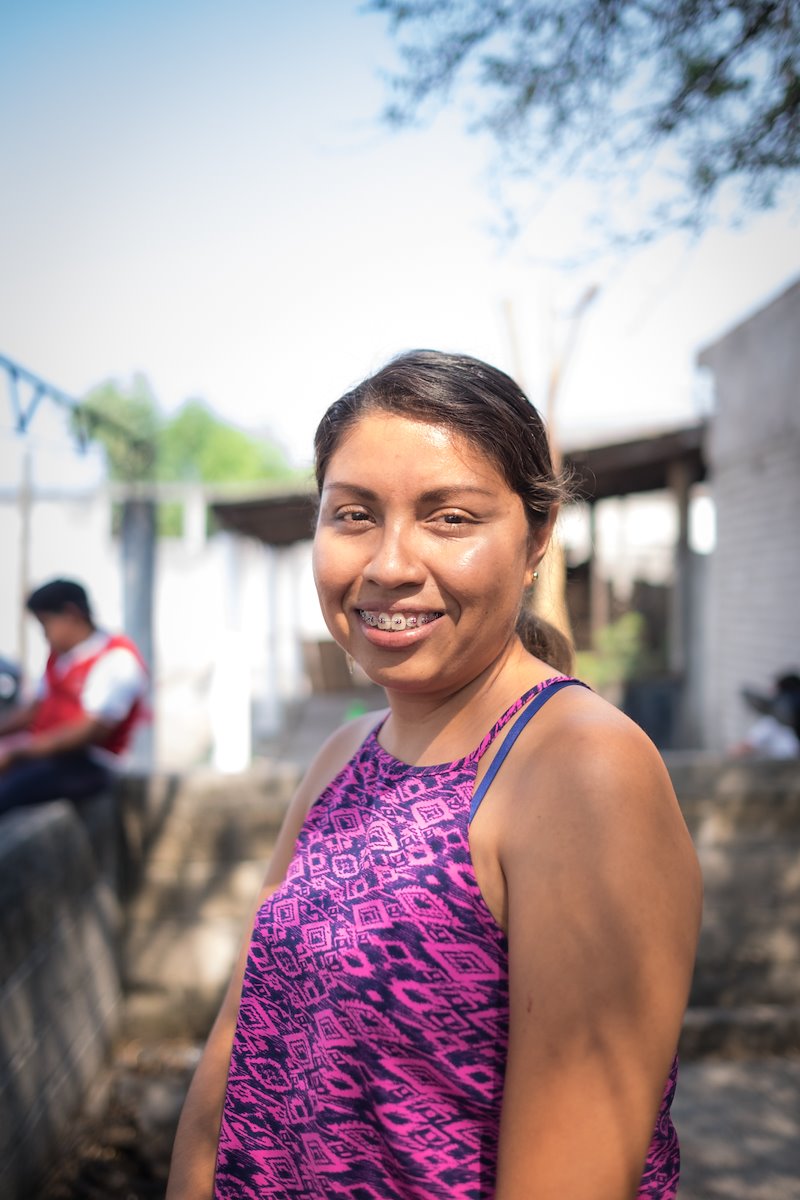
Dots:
{"x": 544, "y": 641}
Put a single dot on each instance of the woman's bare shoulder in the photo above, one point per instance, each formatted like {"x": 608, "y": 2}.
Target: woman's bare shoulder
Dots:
{"x": 584, "y": 770}
{"x": 590, "y": 778}
{"x": 584, "y": 732}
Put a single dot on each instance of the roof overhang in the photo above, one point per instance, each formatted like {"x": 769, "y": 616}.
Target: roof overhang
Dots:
{"x": 277, "y": 520}
{"x": 643, "y": 464}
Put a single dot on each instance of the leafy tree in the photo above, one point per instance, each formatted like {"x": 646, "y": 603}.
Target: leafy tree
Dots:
{"x": 192, "y": 446}
{"x": 620, "y": 654}
{"x": 126, "y": 422}
{"x": 704, "y": 91}
{"x": 195, "y": 444}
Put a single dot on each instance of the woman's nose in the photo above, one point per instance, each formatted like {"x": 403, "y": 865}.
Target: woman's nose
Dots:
{"x": 395, "y": 560}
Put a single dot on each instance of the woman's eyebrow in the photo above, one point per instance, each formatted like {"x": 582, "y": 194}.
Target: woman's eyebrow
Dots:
{"x": 353, "y": 488}
{"x": 442, "y": 495}
{"x": 439, "y": 495}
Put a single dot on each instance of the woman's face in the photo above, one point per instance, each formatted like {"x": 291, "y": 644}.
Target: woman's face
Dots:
{"x": 421, "y": 554}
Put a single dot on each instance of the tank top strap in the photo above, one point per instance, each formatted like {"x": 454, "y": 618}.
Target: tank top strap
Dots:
{"x": 478, "y": 754}
{"x": 534, "y": 700}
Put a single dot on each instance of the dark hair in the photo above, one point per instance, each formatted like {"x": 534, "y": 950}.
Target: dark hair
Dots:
{"x": 487, "y": 408}
{"x": 58, "y": 596}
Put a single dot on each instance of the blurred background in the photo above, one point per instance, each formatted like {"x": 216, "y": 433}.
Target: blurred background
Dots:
{"x": 216, "y": 220}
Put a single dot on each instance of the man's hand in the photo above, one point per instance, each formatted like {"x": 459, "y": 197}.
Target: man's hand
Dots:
{"x": 12, "y": 749}
{"x": 78, "y": 735}
{"x": 18, "y": 720}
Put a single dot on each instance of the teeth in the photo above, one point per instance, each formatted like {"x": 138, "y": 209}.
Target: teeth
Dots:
{"x": 397, "y": 621}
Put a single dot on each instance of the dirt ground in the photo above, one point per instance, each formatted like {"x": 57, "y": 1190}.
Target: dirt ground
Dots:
{"x": 739, "y": 1125}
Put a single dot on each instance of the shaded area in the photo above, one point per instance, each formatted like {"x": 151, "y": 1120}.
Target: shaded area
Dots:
{"x": 198, "y": 851}
{"x": 739, "y": 1126}
{"x": 121, "y": 1149}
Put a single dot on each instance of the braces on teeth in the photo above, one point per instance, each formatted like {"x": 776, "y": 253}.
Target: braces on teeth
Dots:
{"x": 397, "y": 621}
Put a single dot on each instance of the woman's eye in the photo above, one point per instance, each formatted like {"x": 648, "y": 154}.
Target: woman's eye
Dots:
{"x": 455, "y": 518}
{"x": 352, "y": 516}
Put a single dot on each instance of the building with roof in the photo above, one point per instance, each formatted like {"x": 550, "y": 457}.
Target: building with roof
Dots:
{"x": 754, "y": 465}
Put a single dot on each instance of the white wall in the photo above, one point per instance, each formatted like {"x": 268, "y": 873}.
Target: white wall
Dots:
{"x": 228, "y": 618}
{"x": 754, "y": 452}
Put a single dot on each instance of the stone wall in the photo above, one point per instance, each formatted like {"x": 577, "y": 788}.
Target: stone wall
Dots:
{"x": 60, "y": 990}
{"x": 208, "y": 851}
{"x": 744, "y": 818}
{"x": 120, "y": 918}
{"x": 197, "y": 851}
{"x": 146, "y": 895}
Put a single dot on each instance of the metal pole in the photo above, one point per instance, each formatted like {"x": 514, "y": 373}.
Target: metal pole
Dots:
{"x": 138, "y": 548}
{"x": 24, "y": 507}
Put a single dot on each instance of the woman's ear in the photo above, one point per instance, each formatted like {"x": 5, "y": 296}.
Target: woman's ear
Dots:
{"x": 539, "y": 540}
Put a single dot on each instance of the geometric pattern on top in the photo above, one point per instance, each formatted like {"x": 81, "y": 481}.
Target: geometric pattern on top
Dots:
{"x": 370, "y": 1046}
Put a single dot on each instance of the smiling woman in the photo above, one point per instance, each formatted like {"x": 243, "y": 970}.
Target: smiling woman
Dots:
{"x": 470, "y": 958}
{"x": 422, "y": 585}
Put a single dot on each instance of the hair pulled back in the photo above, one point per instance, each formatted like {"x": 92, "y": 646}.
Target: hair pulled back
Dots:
{"x": 485, "y": 407}
{"x": 478, "y": 402}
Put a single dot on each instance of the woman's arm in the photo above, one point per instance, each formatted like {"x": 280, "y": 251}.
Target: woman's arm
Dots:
{"x": 603, "y": 904}
{"x": 194, "y": 1154}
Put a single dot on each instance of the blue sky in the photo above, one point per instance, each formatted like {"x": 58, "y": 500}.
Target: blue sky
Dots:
{"x": 204, "y": 192}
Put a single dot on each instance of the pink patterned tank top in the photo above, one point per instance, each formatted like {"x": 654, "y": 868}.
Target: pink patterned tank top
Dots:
{"x": 370, "y": 1048}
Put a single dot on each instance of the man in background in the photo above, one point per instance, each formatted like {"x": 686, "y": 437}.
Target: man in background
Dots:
{"x": 776, "y": 733}
{"x": 65, "y": 743}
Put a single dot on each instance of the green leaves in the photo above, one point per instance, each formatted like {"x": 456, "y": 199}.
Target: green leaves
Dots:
{"x": 192, "y": 446}
{"x": 126, "y": 424}
{"x": 704, "y": 92}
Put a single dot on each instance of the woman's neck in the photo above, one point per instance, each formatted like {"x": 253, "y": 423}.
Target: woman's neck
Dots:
{"x": 428, "y": 728}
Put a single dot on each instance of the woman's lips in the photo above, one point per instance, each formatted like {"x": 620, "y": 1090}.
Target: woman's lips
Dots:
{"x": 397, "y": 621}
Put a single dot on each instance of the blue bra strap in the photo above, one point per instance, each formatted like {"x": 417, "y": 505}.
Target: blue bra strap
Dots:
{"x": 516, "y": 729}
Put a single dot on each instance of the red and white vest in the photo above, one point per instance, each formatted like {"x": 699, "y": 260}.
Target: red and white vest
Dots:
{"x": 61, "y": 705}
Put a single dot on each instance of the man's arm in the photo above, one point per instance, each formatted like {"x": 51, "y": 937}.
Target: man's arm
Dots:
{"x": 18, "y": 719}
{"x": 75, "y": 736}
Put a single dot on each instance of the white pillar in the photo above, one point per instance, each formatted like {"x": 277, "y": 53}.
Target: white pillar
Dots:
{"x": 230, "y": 694}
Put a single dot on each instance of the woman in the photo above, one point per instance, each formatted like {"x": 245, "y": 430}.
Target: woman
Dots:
{"x": 473, "y": 949}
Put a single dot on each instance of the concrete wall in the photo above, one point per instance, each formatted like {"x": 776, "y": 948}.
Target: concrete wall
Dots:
{"x": 60, "y": 990}
{"x": 198, "y": 850}
{"x": 754, "y": 457}
{"x": 214, "y": 837}
{"x": 744, "y": 818}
